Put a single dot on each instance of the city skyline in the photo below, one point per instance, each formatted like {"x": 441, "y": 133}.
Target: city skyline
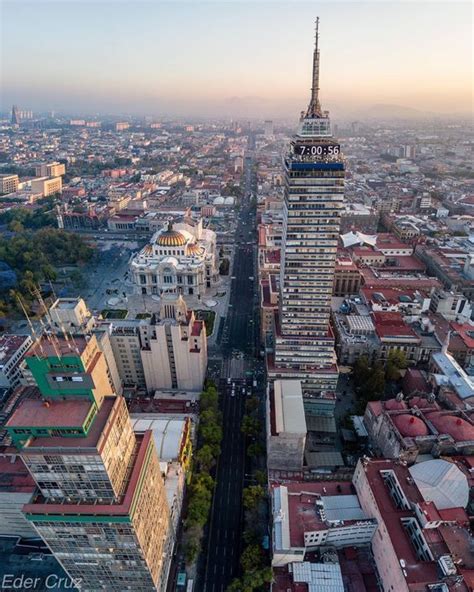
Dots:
{"x": 413, "y": 55}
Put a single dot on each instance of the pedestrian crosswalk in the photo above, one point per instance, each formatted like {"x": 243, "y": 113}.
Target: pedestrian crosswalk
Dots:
{"x": 234, "y": 367}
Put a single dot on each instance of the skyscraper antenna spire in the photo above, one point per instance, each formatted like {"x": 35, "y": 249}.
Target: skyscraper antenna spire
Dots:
{"x": 314, "y": 107}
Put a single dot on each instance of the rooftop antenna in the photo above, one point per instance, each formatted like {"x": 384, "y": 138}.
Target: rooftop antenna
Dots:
{"x": 314, "y": 107}
{"x": 52, "y": 290}
{"x": 445, "y": 347}
{"x": 50, "y": 335}
{"x": 32, "y": 328}
{"x": 67, "y": 336}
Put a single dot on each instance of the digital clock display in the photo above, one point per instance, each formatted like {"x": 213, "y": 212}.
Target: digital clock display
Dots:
{"x": 316, "y": 149}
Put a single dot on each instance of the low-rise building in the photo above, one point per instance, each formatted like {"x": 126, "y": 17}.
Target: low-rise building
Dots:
{"x": 405, "y": 430}
{"x": 346, "y": 277}
{"x": 269, "y": 293}
{"x": 286, "y": 428}
{"x": 316, "y": 516}
{"x": 395, "y": 335}
{"x": 451, "y": 306}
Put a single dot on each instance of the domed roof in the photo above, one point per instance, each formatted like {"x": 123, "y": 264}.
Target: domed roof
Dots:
{"x": 410, "y": 426}
{"x": 195, "y": 249}
{"x": 457, "y": 427}
{"x": 394, "y": 405}
{"x": 419, "y": 402}
{"x": 171, "y": 238}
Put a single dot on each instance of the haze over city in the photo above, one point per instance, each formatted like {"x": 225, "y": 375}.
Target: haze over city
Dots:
{"x": 235, "y": 58}
{"x": 236, "y": 296}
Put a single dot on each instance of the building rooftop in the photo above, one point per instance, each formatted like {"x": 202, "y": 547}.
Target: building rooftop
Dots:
{"x": 167, "y": 434}
{"x": 58, "y": 346}
{"x": 96, "y": 435}
{"x": 66, "y": 303}
{"x": 9, "y": 345}
{"x": 39, "y": 413}
{"x": 441, "y": 482}
{"x": 88, "y": 510}
{"x": 417, "y": 572}
{"x": 299, "y": 500}
{"x": 288, "y": 404}
{"x": 454, "y": 374}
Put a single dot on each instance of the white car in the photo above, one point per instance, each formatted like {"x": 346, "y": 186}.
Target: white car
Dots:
{"x": 232, "y": 394}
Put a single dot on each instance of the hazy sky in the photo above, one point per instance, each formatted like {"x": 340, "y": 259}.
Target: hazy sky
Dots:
{"x": 233, "y": 57}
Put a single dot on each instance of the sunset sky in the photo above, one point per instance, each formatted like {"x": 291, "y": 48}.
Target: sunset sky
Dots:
{"x": 234, "y": 58}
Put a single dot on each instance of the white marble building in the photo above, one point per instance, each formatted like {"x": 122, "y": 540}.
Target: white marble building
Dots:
{"x": 180, "y": 259}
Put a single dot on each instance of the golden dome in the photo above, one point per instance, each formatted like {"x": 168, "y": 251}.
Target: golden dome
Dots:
{"x": 171, "y": 238}
{"x": 195, "y": 249}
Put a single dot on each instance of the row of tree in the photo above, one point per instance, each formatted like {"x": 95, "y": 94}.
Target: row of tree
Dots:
{"x": 202, "y": 484}
{"x": 254, "y": 561}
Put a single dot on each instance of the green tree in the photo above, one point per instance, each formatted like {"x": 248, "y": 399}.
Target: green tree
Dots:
{"x": 251, "y": 404}
{"x": 396, "y": 361}
{"x": 255, "y": 449}
{"x": 205, "y": 457}
{"x": 211, "y": 434}
{"x": 252, "y": 496}
{"x": 361, "y": 370}
{"x": 209, "y": 417}
{"x": 16, "y": 226}
{"x": 260, "y": 477}
{"x": 198, "y": 507}
{"x": 251, "y": 558}
{"x": 250, "y": 426}
{"x": 209, "y": 400}
{"x": 375, "y": 385}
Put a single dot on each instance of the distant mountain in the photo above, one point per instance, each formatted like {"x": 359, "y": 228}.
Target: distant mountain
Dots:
{"x": 387, "y": 111}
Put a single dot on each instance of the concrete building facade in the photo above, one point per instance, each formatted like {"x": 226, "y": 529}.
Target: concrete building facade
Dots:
{"x": 314, "y": 193}
{"x": 286, "y": 426}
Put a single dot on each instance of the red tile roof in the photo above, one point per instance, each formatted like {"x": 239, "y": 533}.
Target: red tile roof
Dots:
{"x": 39, "y": 413}
{"x": 197, "y": 328}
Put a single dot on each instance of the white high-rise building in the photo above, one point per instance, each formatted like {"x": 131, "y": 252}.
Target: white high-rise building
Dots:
{"x": 176, "y": 355}
{"x": 268, "y": 128}
{"x": 314, "y": 170}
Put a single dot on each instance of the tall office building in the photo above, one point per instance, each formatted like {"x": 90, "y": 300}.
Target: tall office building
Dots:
{"x": 314, "y": 170}
{"x": 101, "y": 505}
{"x": 175, "y": 356}
{"x": 15, "y": 119}
{"x": 268, "y": 128}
